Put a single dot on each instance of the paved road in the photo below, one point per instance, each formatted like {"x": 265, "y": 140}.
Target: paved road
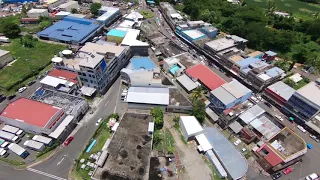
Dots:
{"x": 59, "y": 165}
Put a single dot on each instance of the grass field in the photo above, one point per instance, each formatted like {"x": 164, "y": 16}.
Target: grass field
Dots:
{"x": 146, "y": 14}
{"x": 299, "y": 9}
{"x": 29, "y": 61}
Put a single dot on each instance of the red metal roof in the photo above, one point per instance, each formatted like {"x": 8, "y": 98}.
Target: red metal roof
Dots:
{"x": 206, "y": 76}
{"x": 30, "y": 112}
{"x": 62, "y": 74}
{"x": 272, "y": 157}
{"x": 29, "y": 19}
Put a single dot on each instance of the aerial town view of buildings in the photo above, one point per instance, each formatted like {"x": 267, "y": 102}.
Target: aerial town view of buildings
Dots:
{"x": 133, "y": 90}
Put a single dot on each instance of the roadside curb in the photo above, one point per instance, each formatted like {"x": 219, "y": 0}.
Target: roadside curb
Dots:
{"x": 58, "y": 149}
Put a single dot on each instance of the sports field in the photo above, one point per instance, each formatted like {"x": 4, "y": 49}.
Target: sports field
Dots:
{"x": 299, "y": 9}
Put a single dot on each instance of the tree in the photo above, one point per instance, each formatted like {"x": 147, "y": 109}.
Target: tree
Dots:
{"x": 9, "y": 29}
{"x": 157, "y": 138}
{"x": 290, "y": 82}
{"x": 198, "y": 110}
{"x": 196, "y": 93}
{"x": 157, "y": 113}
{"x": 94, "y": 8}
{"x": 28, "y": 41}
{"x": 73, "y": 11}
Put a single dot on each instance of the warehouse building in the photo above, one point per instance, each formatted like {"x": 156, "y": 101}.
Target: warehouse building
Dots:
{"x": 32, "y": 116}
{"x": 148, "y": 96}
{"x": 36, "y": 13}
{"x": 5, "y": 57}
{"x": 190, "y": 127}
{"x": 68, "y": 6}
{"x": 108, "y": 15}
{"x": 71, "y": 30}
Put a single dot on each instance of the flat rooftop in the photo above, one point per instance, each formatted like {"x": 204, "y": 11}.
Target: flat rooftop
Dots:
{"x": 308, "y": 91}
{"x": 206, "y": 76}
{"x": 31, "y": 112}
{"x": 281, "y": 89}
{"x": 83, "y": 59}
{"x": 287, "y": 143}
{"x": 246, "y": 62}
{"x": 221, "y": 44}
{"x": 148, "y": 95}
{"x": 129, "y": 150}
{"x": 117, "y": 33}
{"x": 71, "y": 29}
{"x": 102, "y": 49}
{"x": 194, "y": 34}
{"x": 107, "y": 13}
{"x": 145, "y": 63}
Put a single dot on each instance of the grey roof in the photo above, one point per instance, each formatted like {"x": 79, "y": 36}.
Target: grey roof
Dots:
{"x": 236, "y": 88}
{"x": 235, "y": 127}
{"x": 3, "y": 52}
{"x": 223, "y": 95}
{"x": 265, "y": 126}
{"x": 282, "y": 89}
{"x": 311, "y": 92}
{"x": 251, "y": 114}
{"x": 148, "y": 95}
{"x": 187, "y": 82}
{"x": 212, "y": 114}
{"x": 275, "y": 71}
{"x": 232, "y": 160}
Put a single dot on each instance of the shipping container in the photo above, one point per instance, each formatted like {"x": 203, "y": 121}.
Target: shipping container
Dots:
{"x": 5, "y": 144}
{"x": 45, "y": 140}
{"x": 9, "y": 136}
{"x": 10, "y": 129}
{"x": 18, "y": 150}
{"x": 3, "y": 152}
{"x": 34, "y": 145}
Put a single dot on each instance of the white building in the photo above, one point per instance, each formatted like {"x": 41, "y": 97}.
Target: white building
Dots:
{"x": 60, "y": 15}
{"x": 35, "y": 13}
{"x": 58, "y": 84}
{"x": 68, "y": 6}
{"x": 190, "y": 127}
{"x": 137, "y": 47}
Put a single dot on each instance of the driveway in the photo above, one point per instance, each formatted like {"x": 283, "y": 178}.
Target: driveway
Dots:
{"x": 190, "y": 158}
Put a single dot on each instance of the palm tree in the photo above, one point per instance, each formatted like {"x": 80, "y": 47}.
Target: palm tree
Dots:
{"x": 196, "y": 93}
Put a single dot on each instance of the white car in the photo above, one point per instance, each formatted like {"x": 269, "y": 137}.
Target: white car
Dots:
{"x": 22, "y": 89}
{"x": 237, "y": 142}
{"x": 98, "y": 122}
{"x": 301, "y": 128}
{"x": 250, "y": 104}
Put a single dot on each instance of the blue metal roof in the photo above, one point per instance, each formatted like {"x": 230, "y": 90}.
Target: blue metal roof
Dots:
{"x": 246, "y": 62}
{"x": 259, "y": 65}
{"x": 71, "y": 29}
{"x": 116, "y": 32}
{"x": 275, "y": 71}
{"x": 271, "y": 53}
{"x": 142, "y": 63}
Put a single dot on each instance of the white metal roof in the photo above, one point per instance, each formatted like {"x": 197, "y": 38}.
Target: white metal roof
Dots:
{"x": 191, "y": 124}
{"x": 187, "y": 82}
{"x": 210, "y": 154}
{"x": 151, "y": 127}
{"x": 115, "y": 127}
{"x": 126, "y": 24}
{"x": 42, "y": 139}
{"x": 148, "y": 95}
{"x": 63, "y": 13}
{"x": 37, "y": 10}
{"x": 251, "y": 114}
{"x": 264, "y": 77}
{"x": 57, "y": 132}
{"x": 134, "y": 16}
{"x": 33, "y": 144}
{"x": 54, "y": 82}
{"x": 204, "y": 143}
{"x": 88, "y": 91}
{"x": 131, "y": 38}
{"x": 266, "y": 127}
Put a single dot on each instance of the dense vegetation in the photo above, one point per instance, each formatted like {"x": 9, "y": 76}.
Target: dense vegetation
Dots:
{"x": 311, "y": 1}
{"x": 296, "y": 40}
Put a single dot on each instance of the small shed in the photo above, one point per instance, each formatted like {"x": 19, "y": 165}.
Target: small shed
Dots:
{"x": 151, "y": 128}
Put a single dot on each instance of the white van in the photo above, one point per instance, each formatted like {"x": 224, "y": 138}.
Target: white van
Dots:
{"x": 312, "y": 176}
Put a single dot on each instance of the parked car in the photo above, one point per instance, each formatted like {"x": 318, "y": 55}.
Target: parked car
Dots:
{"x": 237, "y": 142}
{"x": 301, "y": 128}
{"x": 31, "y": 82}
{"x": 312, "y": 176}
{"x": 68, "y": 141}
{"x": 98, "y": 122}
{"x": 287, "y": 170}
{"x": 314, "y": 138}
{"x": 11, "y": 97}
{"x": 268, "y": 104}
{"x": 20, "y": 90}
{"x": 309, "y": 146}
{"x": 276, "y": 175}
{"x": 2, "y": 97}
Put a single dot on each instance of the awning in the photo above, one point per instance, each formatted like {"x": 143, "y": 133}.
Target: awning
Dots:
{"x": 212, "y": 114}
{"x": 204, "y": 144}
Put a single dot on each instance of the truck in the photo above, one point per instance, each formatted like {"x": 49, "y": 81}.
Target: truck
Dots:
{"x": 9, "y": 137}
{"x": 13, "y": 130}
{"x": 3, "y": 152}
{"x": 34, "y": 145}
{"x": 4, "y": 39}
{"x": 5, "y": 144}
{"x": 45, "y": 140}
{"x": 18, "y": 150}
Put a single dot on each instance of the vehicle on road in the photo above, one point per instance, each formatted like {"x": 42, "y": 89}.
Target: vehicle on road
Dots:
{"x": 309, "y": 146}
{"x": 68, "y": 141}
{"x": 314, "y": 138}
{"x": 11, "y": 97}
{"x": 287, "y": 170}
{"x": 259, "y": 97}
{"x": 20, "y": 90}
{"x": 98, "y": 122}
{"x": 276, "y": 175}
{"x": 2, "y": 97}
{"x": 301, "y": 128}
{"x": 279, "y": 117}
{"x": 250, "y": 105}
{"x": 312, "y": 176}
{"x": 268, "y": 104}
{"x": 237, "y": 142}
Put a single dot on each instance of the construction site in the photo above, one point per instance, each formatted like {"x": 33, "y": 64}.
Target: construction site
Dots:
{"x": 72, "y": 105}
{"x": 129, "y": 150}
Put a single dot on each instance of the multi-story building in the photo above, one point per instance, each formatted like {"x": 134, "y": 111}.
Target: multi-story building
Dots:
{"x": 108, "y": 15}
{"x": 279, "y": 93}
{"x": 97, "y": 65}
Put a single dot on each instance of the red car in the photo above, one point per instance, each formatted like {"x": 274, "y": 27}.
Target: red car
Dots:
{"x": 287, "y": 170}
{"x": 67, "y": 142}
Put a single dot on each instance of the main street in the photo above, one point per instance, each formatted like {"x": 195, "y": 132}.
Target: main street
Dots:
{"x": 59, "y": 165}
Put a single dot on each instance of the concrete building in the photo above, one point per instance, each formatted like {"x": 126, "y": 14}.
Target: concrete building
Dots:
{"x": 5, "y": 57}
{"x": 127, "y": 24}
{"x": 58, "y": 84}
{"x": 115, "y": 35}
{"x": 304, "y": 104}
{"x": 67, "y": 75}
{"x": 133, "y": 16}
{"x": 52, "y": 4}
{"x": 279, "y": 93}
{"x": 68, "y": 6}
{"x": 230, "y": 41}
{"x": 96, "y": 65}
{"x": 108, "y": 15}
{"x": 141, "y": 72}
{"x": 190, "y": 127}
{"x": 193, "y": 35}
{"x": 60, "y": 15}
{"x": 228, "y": 95}
{"x": 71, "y": 30}
{"x": 137, "y": 47}
{"x": 169, "y": 13}
{"x": 284, "y": 149}
{"x": 172, "y": 65}
{"x": 36, "y": 13}
{"x": 32, "y": 116}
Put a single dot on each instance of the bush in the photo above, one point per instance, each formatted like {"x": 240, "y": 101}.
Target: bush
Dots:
{"x": 157, "y": 113}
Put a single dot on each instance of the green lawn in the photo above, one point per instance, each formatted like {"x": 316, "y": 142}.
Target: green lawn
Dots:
{"x": 299, "y": 9}
{"x": 29, "y": 62}
{"x": 300, "y": 84}
{"x": 146, "y": 14}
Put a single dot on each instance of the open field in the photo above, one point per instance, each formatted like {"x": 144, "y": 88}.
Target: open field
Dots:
{"x": 299, "y": 9}
{"x": 29, "y": 61}
{"x": 146, "y": 14}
